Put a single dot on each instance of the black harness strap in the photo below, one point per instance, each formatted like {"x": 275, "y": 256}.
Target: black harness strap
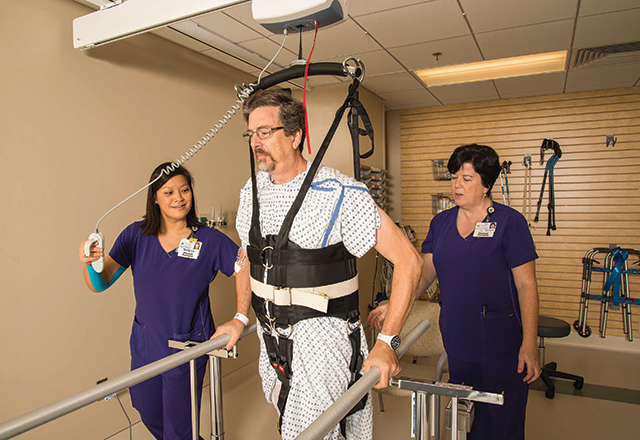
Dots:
{"x": 280, "y": 355}
{"x": 357, "y": 360}
{"x": 357, "y": 109}
{"x": 296, "y": 267}
{"x": 345, "y": 308}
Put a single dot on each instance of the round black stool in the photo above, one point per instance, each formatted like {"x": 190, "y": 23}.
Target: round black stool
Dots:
{"x": 549, "y": 327}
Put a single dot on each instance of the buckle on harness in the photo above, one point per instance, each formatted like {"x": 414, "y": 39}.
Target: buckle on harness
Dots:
{"x": 282, "y": 295}
{"x": 266, "y": 258}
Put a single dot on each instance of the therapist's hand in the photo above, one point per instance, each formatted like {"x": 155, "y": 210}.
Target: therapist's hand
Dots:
{"x": 528, "y": 361}
{"x": 377, "y": 315}
{"x": 95, "y": 253}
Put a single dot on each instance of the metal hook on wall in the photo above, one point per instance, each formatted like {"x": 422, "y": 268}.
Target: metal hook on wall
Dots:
{"x": 611, "y": 140}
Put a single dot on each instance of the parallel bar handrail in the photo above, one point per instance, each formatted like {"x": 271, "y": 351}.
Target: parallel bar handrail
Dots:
{"x": 48, "y": 413}
{"x": 341, "y": 407}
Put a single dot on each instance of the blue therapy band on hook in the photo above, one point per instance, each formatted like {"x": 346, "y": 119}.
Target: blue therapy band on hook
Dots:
{"x": 96, "y": 279}
{"x": 619, "y": 256}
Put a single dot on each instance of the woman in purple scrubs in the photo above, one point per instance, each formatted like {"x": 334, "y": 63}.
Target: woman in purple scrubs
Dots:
{"x": 483, "y": 255}
{"x": 173, "y": 259}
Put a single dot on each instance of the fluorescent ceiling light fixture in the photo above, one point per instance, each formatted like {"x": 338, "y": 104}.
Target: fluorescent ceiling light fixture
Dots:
{"x": 495, "y": 69}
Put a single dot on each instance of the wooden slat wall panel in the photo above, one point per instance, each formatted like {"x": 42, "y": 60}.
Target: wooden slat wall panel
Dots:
{"x": 597, "y": 187}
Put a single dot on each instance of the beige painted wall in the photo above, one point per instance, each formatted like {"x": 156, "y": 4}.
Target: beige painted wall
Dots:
{"x": 79, "y": 132}
{"x": 392, "y": 150}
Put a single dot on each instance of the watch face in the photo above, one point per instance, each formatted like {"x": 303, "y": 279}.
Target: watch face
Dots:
{"x": 395, "y": 342}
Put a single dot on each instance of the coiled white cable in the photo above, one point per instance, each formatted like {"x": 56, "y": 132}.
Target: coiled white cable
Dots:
{"x": 243, "y": 92}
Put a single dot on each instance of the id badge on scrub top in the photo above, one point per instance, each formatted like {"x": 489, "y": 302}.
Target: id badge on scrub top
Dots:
{"x": 485, "y": 229}
{"x": 189, "y": 248}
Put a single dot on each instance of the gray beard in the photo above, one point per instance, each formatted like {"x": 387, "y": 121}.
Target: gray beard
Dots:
{"x": 266, "y": 167}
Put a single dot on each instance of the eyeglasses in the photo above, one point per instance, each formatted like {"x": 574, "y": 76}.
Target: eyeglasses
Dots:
{"x": 262, "y": 132}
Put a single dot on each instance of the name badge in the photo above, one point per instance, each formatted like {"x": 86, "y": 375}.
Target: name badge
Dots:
{"x": 485, "y": 229}
{"x": 189, "y": 248}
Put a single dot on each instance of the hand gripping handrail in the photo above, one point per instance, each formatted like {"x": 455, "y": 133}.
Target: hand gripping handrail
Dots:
{"x": 33, "y": 419}
{"x": 341, "y": 407}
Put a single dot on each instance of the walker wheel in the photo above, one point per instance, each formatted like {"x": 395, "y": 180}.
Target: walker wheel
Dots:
{"x": 578, "y": 384}
{"x": 587, "y": 332}
{"x": 576, "y": 325}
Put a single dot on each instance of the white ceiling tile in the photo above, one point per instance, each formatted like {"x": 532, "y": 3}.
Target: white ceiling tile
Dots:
{"x": 403, "y": 34}
{"x": 598, "y": 78}
{"x": 226, "y": 27}
{"x": 604, "y": 29}
{"x": 457, "y": 50}
{"x": 396, "y": 82}
{"x": 429, "y": 21}
{"x": 493, "y": 15}
{"x": 592, "y": 7}
{"x": 526, "y": 40}
{"x": 409, "y": 99}
{"x": 178, "y": 38}
{"x": 228, "y": 59}
{"x": 377, "y": 62}
{"x": 357, "y": 8}
{"x": 534, "y": 85}
{"x": 267, "y": 49}
{"x": 468, "y": 92}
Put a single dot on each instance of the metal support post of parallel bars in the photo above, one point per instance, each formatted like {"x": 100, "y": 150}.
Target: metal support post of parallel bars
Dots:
{"x": 217, "y": 425}
{"x": 48, "y": 413}
{"x": 426, "y": 387}
{"x": 215, "y": 388}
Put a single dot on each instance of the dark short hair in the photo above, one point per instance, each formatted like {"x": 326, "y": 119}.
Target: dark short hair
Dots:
{"x": 152, "y": 218}
{"x": 290, "y": 111}
{"x": 484, "y": 159}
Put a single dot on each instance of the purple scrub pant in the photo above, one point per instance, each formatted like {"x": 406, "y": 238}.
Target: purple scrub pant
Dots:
{"x": 164, "y": 403}
{"x": 495, "y": 422}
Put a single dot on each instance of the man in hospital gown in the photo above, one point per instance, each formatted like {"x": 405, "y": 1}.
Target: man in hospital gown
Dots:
{"x": 305, "y": 347}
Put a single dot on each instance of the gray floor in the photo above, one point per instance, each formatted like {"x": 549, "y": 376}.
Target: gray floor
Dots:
{"x": 608, "y": 407}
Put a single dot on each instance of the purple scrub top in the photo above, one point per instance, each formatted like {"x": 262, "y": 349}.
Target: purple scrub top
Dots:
{"x": 474, "y": 272}
{"x": 172, "y": 292}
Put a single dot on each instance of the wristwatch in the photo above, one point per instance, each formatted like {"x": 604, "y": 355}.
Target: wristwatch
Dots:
{"x": 393, "y": 341}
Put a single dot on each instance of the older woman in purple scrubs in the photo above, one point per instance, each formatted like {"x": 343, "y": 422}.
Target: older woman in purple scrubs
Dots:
{"x": 173, "y": 259}
{"x": 489, "y": 296}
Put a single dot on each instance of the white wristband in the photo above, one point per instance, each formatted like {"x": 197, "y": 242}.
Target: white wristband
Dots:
{"x": 240, "y": 317}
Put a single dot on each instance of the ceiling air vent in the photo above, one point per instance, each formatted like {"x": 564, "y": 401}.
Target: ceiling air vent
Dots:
{"x": 589, "y": 55}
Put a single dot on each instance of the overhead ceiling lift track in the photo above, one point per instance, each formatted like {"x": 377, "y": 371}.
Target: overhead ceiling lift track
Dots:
{"x": 133, "y": 17}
